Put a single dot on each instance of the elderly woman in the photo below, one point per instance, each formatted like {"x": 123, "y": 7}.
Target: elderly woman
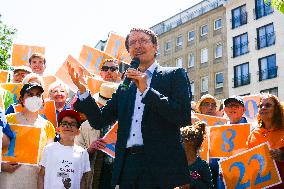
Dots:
{"x": 270, "y": 129}
{"x": 25, "y": 176}
{"x": 58, "y": 92}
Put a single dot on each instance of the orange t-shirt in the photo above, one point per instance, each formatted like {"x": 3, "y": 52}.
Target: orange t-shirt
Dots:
{"x": 275, "y": 138}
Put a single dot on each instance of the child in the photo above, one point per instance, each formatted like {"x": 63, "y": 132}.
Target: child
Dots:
{"x": 64, "y": 164}
{"x": 200, "y": 174}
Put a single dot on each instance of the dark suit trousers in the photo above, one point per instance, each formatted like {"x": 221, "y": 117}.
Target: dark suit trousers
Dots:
{"x": 135, "y": 174}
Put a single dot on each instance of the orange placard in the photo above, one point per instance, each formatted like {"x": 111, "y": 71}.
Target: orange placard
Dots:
{"x": 13, "y": 88}
{"x": 1, "y": 102}
{"x": 252, "y": 169}
{"x": 47, "y": 80}
{"x": 227, "y": 140}
{"x": 48, "y": 111}
{"x": 22, "y": 53}
{"x": 211, "y": 120}
{"x": 251, "y": 104}
{"x": 63, "y": 75}
{"x": 115, "y": 47}
{"x": 110, "y": 139}
{"x": 4, "y": 76}
{"x": 24, "y": 147}
{"x": 92, "y": 59}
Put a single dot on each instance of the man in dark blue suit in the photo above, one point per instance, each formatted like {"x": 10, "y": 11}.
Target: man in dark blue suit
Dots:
{"x": 149, "y": 152}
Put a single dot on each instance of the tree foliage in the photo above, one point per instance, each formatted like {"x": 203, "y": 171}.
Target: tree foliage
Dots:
{"x": 278, "y": 4}
{"x": 7, "y": 35}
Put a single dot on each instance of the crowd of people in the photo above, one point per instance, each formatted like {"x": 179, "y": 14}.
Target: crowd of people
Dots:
{"x": 158, "y": 137}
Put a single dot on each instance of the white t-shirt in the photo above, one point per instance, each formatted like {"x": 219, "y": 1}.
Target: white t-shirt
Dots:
{"x": 64, "y": 165}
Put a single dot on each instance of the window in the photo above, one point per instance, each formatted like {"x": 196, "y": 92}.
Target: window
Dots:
{"x": 218, "y": 51}
{"x": 218, "y": 24}
{"x": 179, "y": 41}
{"x": 168, "y": 46}
{"x": 267, "y": 67}
{"x": 239, "y": 16}
{"x": 192, "y": 87}
{"x": 179, "y": 62}
{"x": 273, "y": 91}
{"x": 262, "y": 8}
{"x": 265, "y": 36}
{"x": 240, "y": 45}
{"x": 204, "y": 55}
{"x": 219, "y": 80}
{"x": 204, "y": 84}
{"x": 190, "y": 60}
{"x": 203, "y": 30}
{"x": 191, "y": 35}
{"x": 241, "y": 75}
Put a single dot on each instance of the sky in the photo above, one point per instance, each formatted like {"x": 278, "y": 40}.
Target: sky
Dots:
{"x": 64, "y": 26}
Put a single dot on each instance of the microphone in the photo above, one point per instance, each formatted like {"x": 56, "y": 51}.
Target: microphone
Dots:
{"x": 134, "y": 64}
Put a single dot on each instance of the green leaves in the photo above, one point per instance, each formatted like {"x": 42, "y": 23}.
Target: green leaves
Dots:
{"x": 6, "y": 41}
{"x": 278, "y": 4}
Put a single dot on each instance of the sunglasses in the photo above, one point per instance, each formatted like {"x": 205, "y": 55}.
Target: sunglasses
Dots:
{"x": 111, "y": 68}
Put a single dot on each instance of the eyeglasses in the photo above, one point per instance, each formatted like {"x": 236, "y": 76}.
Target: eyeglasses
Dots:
{"x": 111, "y": 68}
{"x": 267, "y": 105}
{"x": 68, "y": 125}
{"x": 207, "y": 104}
{"x": 141, "y": 41}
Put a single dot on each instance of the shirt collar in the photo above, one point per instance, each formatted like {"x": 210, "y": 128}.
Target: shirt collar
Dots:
{"x": 152, "y": 68}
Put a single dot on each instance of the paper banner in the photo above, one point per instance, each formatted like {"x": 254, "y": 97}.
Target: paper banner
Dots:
{"x": 24, "y": 147}
{"x": 210, "y": 120}
{"x": 22, "y": 53}
{"x": 92, "y": 59}
{"x": 227, "y": 140}
{"x": 4, "y": 76}
{"x": 63, "y": 75}
{"x": 47, "y": 80}
{"x": 48, "y": 111}
{"x": 13, "y": 88}
{"x": 115, "y": 47}
{"x": 110, "y": 139}
{"x": 252, "y": 169}
{"x": 251, "y": 104}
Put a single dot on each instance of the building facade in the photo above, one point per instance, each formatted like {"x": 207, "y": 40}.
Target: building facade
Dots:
{"x": 255, "y": 42}
{"x": 195, "y": 39}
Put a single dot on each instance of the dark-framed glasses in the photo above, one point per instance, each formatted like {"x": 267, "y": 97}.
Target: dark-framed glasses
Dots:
{"x": 68, "y": 125}
{"x": 111, "y": 68}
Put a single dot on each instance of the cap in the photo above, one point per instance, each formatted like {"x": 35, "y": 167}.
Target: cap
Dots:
{"x": 29, "y": 86}
{"x": 23, "y": 68}
{"x": 72, "y": 113}
{"x": 234, "y": 98}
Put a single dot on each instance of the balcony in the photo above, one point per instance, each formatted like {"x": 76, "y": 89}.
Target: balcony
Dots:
{"x": 241, "y": 80}
{"x": 268, "y": 73}
{"x": 239, "y": 20}
{"x": 261, "y": 11}
{"x": 265, "y": 40}
{"x": 240, "y": 49}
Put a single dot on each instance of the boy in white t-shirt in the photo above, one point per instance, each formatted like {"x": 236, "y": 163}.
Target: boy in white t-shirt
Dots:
{"x": 64, "y": 164}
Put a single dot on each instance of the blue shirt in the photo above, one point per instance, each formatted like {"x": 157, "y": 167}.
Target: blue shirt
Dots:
{"x": 4, "y": 124}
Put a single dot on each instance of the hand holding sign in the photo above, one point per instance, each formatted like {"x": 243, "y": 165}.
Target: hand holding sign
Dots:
{"x": 253, "y": 168}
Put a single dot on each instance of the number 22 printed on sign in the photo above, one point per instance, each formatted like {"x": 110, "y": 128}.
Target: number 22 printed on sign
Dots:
{"x": 253, "y": 168}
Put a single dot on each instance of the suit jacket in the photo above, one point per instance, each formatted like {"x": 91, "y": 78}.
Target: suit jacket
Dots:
{"x": 167, "y": 108}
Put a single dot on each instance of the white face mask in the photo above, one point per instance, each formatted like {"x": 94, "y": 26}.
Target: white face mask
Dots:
{"x": 33, "y": 104}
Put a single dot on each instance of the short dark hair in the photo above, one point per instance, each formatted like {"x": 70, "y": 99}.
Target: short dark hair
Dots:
{"x": 154, "y": 38}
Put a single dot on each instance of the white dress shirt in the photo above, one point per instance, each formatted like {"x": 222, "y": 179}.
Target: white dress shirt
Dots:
{"x": 135, "y": 135}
